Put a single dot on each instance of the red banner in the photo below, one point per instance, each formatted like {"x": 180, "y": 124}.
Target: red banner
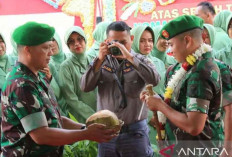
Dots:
{"x": 162, "y": 14}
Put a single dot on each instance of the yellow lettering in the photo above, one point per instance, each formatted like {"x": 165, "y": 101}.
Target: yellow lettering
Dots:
{"x": 185, "y": 11}
{"x": 175, "y": 13}
{"x": 167, "y": 14}
{"x": 228, "y": 6}
{"x": 160, "y": 13}
{"x": 192, "y": 11}
{"x": 154, "y": 15}
{"x": 218, "y": 8}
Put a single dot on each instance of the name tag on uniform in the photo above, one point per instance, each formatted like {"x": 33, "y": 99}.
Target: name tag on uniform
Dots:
{"x": 109, "y": 69}
{"x": 127, "y": 70}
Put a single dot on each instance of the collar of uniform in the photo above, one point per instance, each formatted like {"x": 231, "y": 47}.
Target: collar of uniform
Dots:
{"x": 207, "y": 55}
{"x": 26, "y": 70}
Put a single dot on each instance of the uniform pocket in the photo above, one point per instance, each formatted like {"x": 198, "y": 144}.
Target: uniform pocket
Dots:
{"x": 133, "y": 84}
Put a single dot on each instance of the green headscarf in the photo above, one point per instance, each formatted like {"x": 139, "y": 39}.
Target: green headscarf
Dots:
{"x": 60, "y": 57}
{"x": 167, "y": 60}
{"x": 222, "y": 39}
{"x": 99, "y": 35}
{"x": 155, "y": 52}
{"x": 212, "y": 32}
{"x": 6, "y": 64}
{"x": 222, "y": 20}
{"x": 77, "y": 58}
{"x": 137, "y": 32}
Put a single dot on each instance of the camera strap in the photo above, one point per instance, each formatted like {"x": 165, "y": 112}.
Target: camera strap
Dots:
{"x": 123, "y": 104}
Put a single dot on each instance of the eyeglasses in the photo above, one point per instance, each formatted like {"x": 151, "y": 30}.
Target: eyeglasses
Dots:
{"x": 78, "y": 39}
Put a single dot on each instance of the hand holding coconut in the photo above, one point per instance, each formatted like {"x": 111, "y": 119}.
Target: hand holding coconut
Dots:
{"x": 100, "y": 133}
{"x": 106, "y": 123}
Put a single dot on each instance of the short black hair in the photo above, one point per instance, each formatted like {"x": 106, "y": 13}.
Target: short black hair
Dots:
{"x": 118, "y": 26}
{"x": 207, "y": 6}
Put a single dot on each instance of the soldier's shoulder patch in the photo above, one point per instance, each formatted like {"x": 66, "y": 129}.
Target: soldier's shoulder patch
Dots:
{"x": 109, "y": 69}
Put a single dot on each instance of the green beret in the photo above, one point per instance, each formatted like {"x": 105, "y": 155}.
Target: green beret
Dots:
{"x": 180, "y": 25}
{"x": 32, "y": 34}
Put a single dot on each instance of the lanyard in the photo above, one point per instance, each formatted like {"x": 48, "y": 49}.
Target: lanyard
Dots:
{"x": 120, "y": 83}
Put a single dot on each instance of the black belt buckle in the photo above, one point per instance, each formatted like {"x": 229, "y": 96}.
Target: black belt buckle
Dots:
{"x": 124, "y": 129}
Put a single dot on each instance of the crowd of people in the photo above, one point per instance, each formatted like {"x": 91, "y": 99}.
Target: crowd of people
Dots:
{"x": 41, "y": 86}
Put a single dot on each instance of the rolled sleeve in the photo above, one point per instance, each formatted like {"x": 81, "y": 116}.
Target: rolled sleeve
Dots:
{"x": 34, "y": 121}
{"x": 227, "y": 98}
{"x": 136, "y": 62}
{"x": 197, "y": 105}
{"x": 146, "y": 69}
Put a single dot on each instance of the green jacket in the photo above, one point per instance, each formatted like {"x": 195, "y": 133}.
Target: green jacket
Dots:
{"x": 57, "y": 91}
{"x": 80, "y": 104}
{"x": 168, "y": 60}
{"x": 99, "y": 35}
{"x": 224, "y": 55}
{"x": 6, "y": 64}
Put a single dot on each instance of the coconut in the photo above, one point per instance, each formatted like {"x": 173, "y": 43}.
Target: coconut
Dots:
{"x": 105, "y": 117}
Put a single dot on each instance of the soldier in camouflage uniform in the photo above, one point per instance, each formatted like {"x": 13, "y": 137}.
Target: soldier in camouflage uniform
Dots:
{"x": 226, "y": 75}
{"x": 194, "y": 111}
{"x": 31, "y": 122}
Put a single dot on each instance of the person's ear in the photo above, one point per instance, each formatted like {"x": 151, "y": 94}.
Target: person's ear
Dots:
{"x": 188, "y": 41}
{"x": 27, "y": 50}
{"x": 203, "y": 36}
{"x": 132, "y": 37}
{"x": 209, "y": 16}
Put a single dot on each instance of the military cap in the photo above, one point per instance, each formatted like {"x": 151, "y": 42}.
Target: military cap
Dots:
{"x": 180, "y": 25}
{"x": 33, "y": 33}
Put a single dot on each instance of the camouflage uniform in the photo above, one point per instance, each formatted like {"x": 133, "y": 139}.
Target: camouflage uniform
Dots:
{"x": 27, "y": 104}
{"x": 226, "y": 75}
{"x": 201, "y": 84}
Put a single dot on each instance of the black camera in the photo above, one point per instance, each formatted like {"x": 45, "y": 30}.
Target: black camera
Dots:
{"x": 114, "y": 50}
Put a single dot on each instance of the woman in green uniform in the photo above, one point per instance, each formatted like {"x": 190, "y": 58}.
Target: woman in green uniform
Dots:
{"x": 80, "y": 104}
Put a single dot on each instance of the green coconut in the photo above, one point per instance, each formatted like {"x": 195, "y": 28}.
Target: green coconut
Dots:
{"x": 105, "y": 117}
